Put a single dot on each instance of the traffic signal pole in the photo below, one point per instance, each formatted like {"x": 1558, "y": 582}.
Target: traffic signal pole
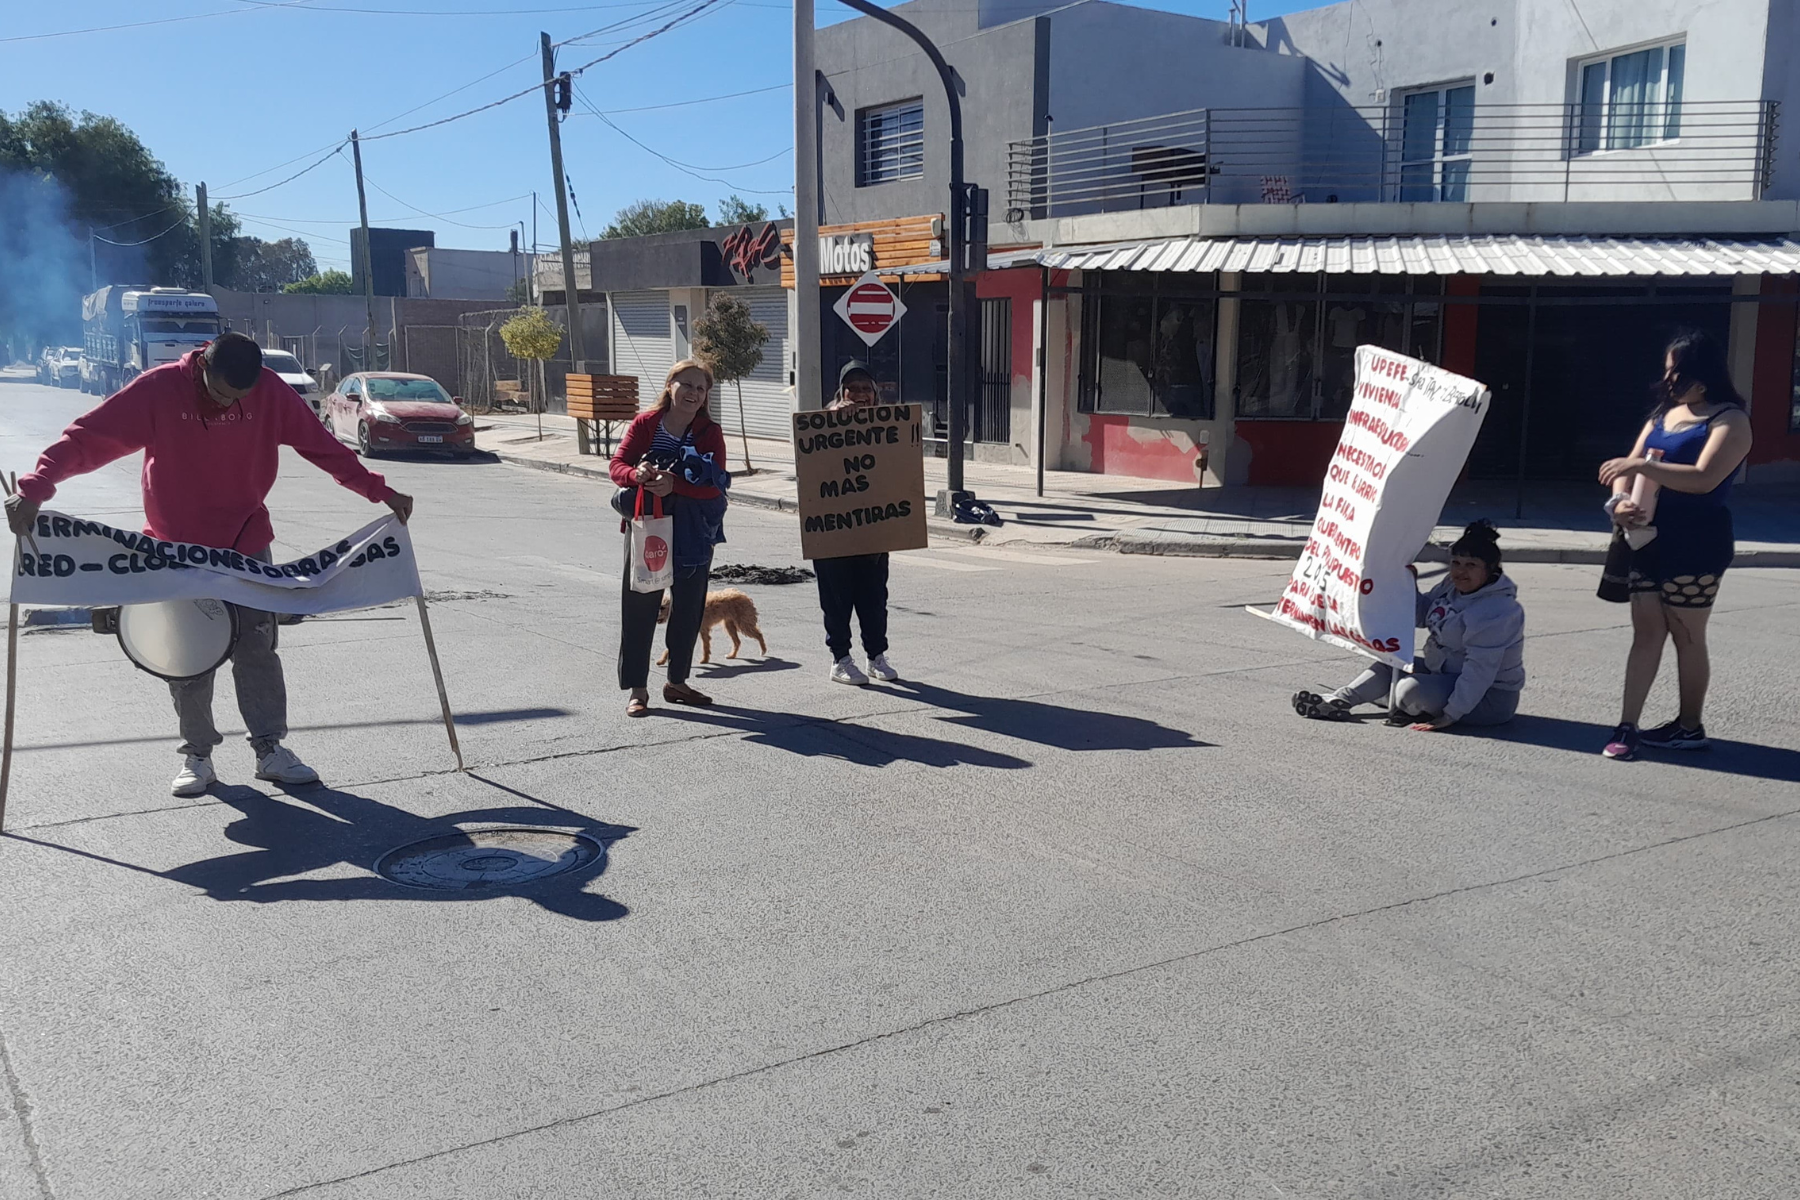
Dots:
{"x": 967, "y": 206}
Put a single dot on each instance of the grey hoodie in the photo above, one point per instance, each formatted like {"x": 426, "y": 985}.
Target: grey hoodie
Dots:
{"x": 1479, "y": 638}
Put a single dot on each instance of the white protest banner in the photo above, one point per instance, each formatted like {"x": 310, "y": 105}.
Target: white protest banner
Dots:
{"x": 84, "y": 564}
{"x": 1405, "y": 439}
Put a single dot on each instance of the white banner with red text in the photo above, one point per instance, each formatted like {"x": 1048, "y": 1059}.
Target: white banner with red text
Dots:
{"x": 84, "y": 564}
{"x": 1405, "y": 439}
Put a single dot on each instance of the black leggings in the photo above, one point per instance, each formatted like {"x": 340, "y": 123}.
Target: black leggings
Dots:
{"x": 637, "y": 625}
{"x": 856, "y": 584}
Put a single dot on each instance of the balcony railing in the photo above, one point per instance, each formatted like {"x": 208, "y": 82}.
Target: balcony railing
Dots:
{"x": 1402, "y": 152}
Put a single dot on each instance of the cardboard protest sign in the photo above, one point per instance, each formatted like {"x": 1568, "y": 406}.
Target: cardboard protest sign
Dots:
{"x": 79, "y": 563}
{"x": 1405, "y": 439}
{"x": 861, "y": 473}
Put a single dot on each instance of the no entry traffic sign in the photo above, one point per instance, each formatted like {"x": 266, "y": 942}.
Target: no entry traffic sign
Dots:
{"x": 870, "y": 308}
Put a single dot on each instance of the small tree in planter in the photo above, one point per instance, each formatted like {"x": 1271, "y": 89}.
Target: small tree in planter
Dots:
{"x": 730, "y": 342}
{"x": 532, "y": 336}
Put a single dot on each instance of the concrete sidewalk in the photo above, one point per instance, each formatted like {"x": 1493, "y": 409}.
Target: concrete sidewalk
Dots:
{"x": 1561, "y": 522}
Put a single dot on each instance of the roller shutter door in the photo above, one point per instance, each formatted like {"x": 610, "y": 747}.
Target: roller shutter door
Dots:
{"x": 768, "y": 403}
{"x": 643, "y": 340}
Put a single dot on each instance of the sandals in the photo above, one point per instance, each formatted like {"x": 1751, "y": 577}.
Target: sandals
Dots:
{"x": 637, "y": 706}
{"x": 1317, "y": 708}
{"x": 681, "y": 693}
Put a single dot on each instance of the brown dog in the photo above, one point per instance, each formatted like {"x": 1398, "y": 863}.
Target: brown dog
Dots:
{"x": 736, "y": 611}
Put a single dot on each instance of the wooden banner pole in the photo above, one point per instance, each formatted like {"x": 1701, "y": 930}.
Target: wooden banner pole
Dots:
{"x": 437, "y": 672}
{"x": 12, "y": 690}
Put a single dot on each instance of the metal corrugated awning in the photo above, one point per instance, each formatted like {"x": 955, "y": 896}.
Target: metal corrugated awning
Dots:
{"x": 1431, "y": 255}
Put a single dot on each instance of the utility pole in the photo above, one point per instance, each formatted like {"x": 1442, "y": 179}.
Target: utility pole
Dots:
{"x": 206, "y": 275}
{"x": 93, "y": 263}
{"x": 809, "y": 384}
{"x": 577, "y": 350}
{"x": 368, "y": 274}
{"x": 967, "y": 243}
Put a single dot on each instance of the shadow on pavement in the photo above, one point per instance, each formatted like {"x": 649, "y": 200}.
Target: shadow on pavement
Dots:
{"x": 494, "y": 716}
{"x": 1585, "y": 737}
{"x": 721, "y": 669}
{"x": 1050, "y": 724}
{"x": 333, "y": 828}
{"x": 811, "y": 737}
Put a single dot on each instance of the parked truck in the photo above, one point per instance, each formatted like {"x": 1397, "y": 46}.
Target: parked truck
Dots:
{"x": 130, "y": 328}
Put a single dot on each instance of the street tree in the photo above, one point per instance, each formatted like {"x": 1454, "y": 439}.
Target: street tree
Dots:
{"x": 730, "y": 342}
{"x": 325, "y": 283}
{"x": 533, "y": 336}
{"x": 656, "y": 216}
{"x": 735, "y": 210}
{"x": 269, "y": 266}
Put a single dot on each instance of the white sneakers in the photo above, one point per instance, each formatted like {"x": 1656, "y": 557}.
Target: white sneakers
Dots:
{"x": 282, "y": 765}
{"x": 196, "y": 776}
{"x": 279, "y": 765}
{"x": 845, "y": 670}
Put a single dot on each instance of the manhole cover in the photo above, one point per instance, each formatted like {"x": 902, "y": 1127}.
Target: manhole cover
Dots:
{"x": 488, "y": 859}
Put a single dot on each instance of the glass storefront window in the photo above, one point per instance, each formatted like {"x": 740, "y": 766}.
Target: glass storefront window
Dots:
{"x": 1153, "y": 354}
{"x": 1277, "y": 355}
{"x": 1297, "y": 357}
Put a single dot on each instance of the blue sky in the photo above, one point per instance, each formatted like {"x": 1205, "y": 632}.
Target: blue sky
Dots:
{"x": 245, "y": 85}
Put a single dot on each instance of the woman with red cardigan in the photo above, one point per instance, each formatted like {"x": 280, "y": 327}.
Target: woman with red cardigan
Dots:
{"x": 649, "y": 457}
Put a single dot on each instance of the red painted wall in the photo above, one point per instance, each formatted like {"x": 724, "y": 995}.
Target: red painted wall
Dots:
{"x": 1772, "y": 380}
{"x": 1023, "y": 286}
{"x": 1114, "y": 449}
{"x": 1288, "y": 453}
{"x": 1460, "y": 322}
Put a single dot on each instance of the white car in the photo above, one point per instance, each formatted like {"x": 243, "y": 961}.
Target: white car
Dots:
{"x": 294, "y": 375}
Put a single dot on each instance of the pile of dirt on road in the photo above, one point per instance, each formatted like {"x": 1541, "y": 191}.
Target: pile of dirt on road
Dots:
{"x": 748, "y": 573}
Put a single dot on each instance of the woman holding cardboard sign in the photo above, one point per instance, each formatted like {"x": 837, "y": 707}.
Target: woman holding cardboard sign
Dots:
{"x": 670, "y": 461}
{"x": 857, "y": 583}
{"x": 1676, "y": 481}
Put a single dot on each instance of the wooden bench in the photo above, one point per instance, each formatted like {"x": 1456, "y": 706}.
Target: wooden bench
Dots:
{"x": 601, "y": 400}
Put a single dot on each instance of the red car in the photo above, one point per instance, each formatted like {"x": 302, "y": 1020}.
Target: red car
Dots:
{"x": 380, "y": 411}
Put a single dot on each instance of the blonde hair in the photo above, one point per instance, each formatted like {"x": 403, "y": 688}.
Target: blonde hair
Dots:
{"x": 665, "y": 398}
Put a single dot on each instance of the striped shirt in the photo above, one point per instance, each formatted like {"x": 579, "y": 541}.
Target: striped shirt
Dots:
{"x": 666, "y": 450}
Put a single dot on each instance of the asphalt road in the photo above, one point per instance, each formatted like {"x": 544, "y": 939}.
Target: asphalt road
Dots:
{"x": 1078, "y": 909}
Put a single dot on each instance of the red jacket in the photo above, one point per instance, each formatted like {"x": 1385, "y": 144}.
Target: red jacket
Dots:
{"x": 708, "y": 439}
{"x": 207, "y": 470}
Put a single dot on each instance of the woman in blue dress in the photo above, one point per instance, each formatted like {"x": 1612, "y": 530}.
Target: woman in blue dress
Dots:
{"x": 1703, "y": 432}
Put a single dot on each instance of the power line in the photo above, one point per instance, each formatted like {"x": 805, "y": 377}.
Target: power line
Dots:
{"x": 774, "y": 87}
{"x": 432, "y": 215}
{"x": 335, "y": 151}
{"x": 223, "y": 12}
{"x": 538, "y": 87}
{"x": 686, "y": 168}
{"x": 146, "y": 241}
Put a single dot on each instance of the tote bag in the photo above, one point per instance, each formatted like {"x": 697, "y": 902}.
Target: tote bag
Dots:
{"x": 652, "y": 546}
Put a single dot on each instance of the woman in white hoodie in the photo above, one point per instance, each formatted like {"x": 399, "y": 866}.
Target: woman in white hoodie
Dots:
{"x": 1473, "y": 665}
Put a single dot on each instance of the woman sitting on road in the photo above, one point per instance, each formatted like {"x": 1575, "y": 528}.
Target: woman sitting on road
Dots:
{"x": 1473, "y": 664}
{"x": 1703, "y": 432}
{"x": 649, "y": 457}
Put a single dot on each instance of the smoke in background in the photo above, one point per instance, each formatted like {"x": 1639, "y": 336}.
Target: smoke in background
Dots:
{"x": 43, "y": 266}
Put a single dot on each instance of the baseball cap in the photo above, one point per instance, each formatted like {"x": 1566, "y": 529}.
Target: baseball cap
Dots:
{"x": 854, "y": 367}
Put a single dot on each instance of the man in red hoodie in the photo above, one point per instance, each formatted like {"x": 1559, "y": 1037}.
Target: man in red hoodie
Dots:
{"x": 211, "y": 428}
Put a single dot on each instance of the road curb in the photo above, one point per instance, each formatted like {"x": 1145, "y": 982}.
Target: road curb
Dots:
{"x": 1186, "y": 545}
{"x": 1181, "y": 545}
{"x": 942, "y": 529}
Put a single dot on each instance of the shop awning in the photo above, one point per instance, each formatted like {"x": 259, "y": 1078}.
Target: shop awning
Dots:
{"x": 1430, "y": 255}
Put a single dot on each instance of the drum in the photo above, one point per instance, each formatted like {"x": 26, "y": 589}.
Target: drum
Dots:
{"x": 178, "y": 639}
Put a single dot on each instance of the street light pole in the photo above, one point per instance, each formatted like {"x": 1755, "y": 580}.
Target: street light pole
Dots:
{"x": 809, "y": 384}
{"x": 965, "y": 207}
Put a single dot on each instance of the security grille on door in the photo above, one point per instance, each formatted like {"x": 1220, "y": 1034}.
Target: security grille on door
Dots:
{"x": 645, "y": 339}
{"x": 768, "y": 401}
